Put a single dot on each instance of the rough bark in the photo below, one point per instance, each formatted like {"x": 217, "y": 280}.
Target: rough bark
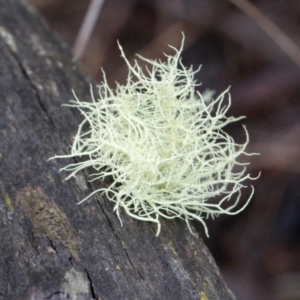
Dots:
{"x": 50, "y": 247}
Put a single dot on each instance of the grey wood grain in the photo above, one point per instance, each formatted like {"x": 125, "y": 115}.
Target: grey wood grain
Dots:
{"x": 50, "y": 247}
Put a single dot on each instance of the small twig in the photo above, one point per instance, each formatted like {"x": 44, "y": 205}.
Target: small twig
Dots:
{"x": 270, "y": 28}
{"x": 87, "y": 27}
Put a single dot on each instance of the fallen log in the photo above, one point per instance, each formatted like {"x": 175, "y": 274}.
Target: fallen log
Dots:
{"x": 52, "y": 248}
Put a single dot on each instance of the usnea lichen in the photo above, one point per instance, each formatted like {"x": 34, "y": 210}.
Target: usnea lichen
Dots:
{"x": 163, "y": 144}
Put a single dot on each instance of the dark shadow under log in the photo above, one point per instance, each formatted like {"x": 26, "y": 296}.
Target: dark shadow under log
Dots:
{"x": 50, "y": 247}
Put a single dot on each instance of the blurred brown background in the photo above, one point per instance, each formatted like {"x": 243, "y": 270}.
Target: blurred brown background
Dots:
{"x": 258, "y": 251}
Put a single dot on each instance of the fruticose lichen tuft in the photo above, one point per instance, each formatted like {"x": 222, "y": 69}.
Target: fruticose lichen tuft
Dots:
{"x": 163, "y": 144}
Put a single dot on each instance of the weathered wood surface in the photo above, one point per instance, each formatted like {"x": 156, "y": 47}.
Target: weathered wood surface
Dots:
{"x": 50, "y": 247}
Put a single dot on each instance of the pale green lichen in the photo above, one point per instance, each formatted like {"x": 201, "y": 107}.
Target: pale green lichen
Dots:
{"x": 163, "y": 144}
